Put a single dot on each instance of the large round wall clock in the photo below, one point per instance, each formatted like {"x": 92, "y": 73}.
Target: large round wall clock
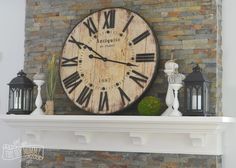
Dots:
{"x": 108, "y": 60}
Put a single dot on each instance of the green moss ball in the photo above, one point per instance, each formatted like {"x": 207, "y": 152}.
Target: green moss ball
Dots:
{"x": 149, "y": 106}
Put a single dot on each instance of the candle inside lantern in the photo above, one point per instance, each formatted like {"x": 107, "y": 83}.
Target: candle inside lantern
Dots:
{"x": 196, "y": 102}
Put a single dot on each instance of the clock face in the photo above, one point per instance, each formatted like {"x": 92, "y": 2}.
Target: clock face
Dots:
{"x": 108, "y": 60}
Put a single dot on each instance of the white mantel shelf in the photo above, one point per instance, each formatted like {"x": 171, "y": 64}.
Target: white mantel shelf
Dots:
{"x": 184, "y": 135}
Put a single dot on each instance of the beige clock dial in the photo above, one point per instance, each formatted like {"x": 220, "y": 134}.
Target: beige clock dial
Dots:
{"x": 108, "y": 60}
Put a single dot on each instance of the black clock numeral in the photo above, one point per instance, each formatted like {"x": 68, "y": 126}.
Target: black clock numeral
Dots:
{"x": 109, "y": 19}
{"x": 103, "y": 101}
{"x": 141, "y": 37}
{"x": 84, "y": 96}
{"x": 123, "y": 96}
{"x": 72, "y": 81}
{"x": 138, "y": 78}
{"x": 127, "y": 24}
{"x": 67, "y": 62}
{"x": 145, "y": 57}
{"x": 91, "y": 26}
{"x": 72, "y": 40}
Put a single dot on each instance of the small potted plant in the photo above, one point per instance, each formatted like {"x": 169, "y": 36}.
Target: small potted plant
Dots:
{"x": 51, "y": 84}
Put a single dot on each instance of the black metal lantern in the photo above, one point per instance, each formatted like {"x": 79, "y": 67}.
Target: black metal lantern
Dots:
{"x": 196, "y": 93}
{"x": 20, "y": 95}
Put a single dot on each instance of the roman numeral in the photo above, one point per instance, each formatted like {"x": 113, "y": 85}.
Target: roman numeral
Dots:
{"x": 103, "y": 102}
{"x": 109, "y": 19}
{"x": 123, "y": 96}
{"x": 127, "y": 24}
{"x": 66, "y": 62}
{"x": 145, "y": 57}
{"x": 139, "y": 78}
{"x": 72, "y": 40}
{"x": 72, "y": 81}
{"x": 85, "y": 96}
{"x": 141, "y": 37}
{"x": 91, "y": 26}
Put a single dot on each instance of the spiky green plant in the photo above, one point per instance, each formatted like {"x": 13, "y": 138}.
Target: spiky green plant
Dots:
{"x": 51, "y": 77}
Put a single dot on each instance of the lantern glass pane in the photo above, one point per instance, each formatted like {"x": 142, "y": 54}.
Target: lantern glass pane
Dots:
{"x": 20, "y": 99}
{"x": 24, "y": 100}
{"x": 27, "y": 108}
{"x": 207, "y": 98}
{"x": 30, "y": 99}
{"x": 15, "y": 99}
{"x": 11, "y": 98}
{"x": 189, "y": 98}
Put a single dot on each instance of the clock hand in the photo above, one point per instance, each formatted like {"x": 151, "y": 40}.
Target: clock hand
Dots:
{"x": 92, "y": 56}
{"x": 119, "y": 62}
{"x": 85, "y": 46}
{"x": 109, "y": 60}
{"x": 100, "y": 56}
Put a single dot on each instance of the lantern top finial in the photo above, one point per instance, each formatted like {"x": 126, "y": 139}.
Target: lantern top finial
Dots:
{"x": 21, "y": 73}
{"x": 197, "y": 68}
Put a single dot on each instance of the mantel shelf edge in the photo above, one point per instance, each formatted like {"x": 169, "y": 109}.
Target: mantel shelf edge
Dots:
{"x": 156, "y": 134}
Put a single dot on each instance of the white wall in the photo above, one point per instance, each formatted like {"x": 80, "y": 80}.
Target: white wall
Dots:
{"x": 229, "y": 78}
{"x": 12, "y": 18}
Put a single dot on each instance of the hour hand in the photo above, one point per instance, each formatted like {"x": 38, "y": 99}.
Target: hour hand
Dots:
{"x": 119, "y": 62}
{"x": 129, "y": 64}
{"x": 79, "y": 44}
{"x": 100, "y": 58}
{"x": 95, "y": 52}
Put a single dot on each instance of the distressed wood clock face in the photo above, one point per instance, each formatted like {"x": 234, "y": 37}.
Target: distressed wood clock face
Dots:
{"x": 108, "y": 60}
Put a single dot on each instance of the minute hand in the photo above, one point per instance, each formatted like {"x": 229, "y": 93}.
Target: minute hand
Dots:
{"x": 119, "y": 62}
